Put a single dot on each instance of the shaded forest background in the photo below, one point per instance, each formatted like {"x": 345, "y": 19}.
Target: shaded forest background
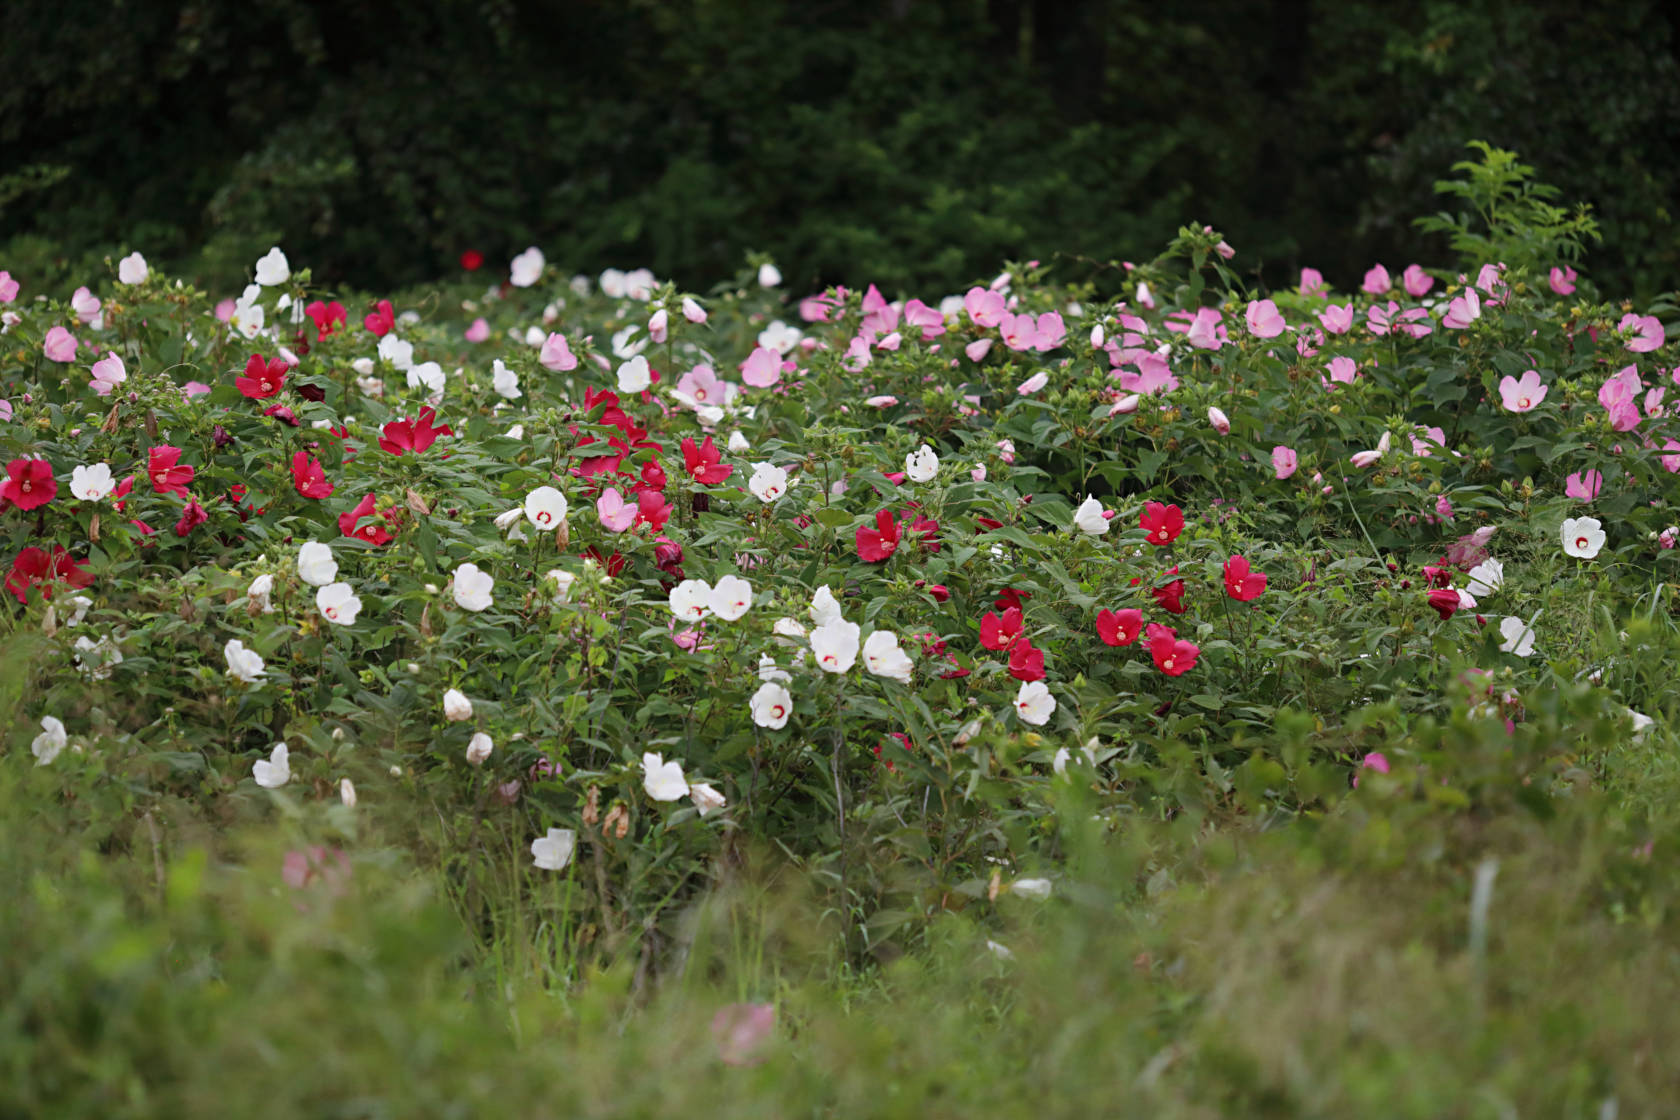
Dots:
{"x": 912, "y": 143}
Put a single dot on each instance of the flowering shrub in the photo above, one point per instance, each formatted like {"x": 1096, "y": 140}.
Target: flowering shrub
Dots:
{"x": 646, "y": 570}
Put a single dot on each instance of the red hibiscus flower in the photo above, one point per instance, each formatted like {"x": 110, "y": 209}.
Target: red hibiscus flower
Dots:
{"x": 29, "y": 483}
{"x": 653, "y": 476}
{"x": 308, "y": 477}
{"x": 1163, "y": 523}
{"x": 1119, "y": 628}
{"x": 413, "y": 435}
{"x": 168, "y": 474}
{"x": 652, "y": 510}
{"x": 326, "y": 315}
{"x": 613, "y": 564}
{"x": 1170, "y": 595}
{"x": 999, "y": 633}
{"x": 36, "y": 567}
{"x": 472, "y": 260}
{"x": 1009, "y": 597}
{"x": 1445, "y": 601}
{"x": 1026, "y": 662}
{"x": 373, "y": 532}
{"x": 702, "y": 462}
{"x": 1241, "y": 584}
{"x": 262, "y": 378}
{"x": 874, "y": 545}
{"x": 382, "y": 320}
{"x": 191, "y": 518}
{"x": 1173, "y": 655}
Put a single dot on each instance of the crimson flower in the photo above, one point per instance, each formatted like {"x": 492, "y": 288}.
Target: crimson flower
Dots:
{"x": 939, "y": 591}
{"x": 1026, "y": 662}
{"x": 1119, "y": 628}
{"x": 653, "y": 476}
{"x": 1170, "y": 595}
{"x": 873, "y": 545}
{"x": 1163, "y": 523}
{"x": 373, "y": 532}
{"x": 121, "y": 492}
{"x": 702, "y": 463}
{"x": 308, "y": 477}
{"x": 1241, "y": 584}
{"x": 413, "y": 435}
{"x": 612, "y": 565}
{"x": 326, "y": 315}
{"x": 652, "y": 510}
{"x": 472, "y": 260}
{"x": 1009, "y": 597}
{"x": 1445, "y": 601}
{"x": 168, "y": 474}
{"x": 999, "y": 633}
{"x": 29, "y": 483}
{"x": 1173, "y": 655}
{"x": 262, "y": 379}
{"x": 191, "y": 518}
{"x": 382, "y": 320}
{"x": 36, "y": 566}
{"x": 283, "y": 414}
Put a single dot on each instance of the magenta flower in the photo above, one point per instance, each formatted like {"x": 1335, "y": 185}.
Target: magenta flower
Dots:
{"x": 1264, "y": 320}
{"x": 1463, "y": 311}
{"x": 1647, "y": 331}
{"x": 1521, "y": 395}
{"x": 1377, "y": 281}
{"x": 1563, "y": 280}
{"x": 1583, "y": 485}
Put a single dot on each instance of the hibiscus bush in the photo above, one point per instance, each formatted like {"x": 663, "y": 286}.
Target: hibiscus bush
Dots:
{"x": 595, "y": 593}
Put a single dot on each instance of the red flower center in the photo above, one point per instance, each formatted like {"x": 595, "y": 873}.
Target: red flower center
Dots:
{"x": 777, "y": 711}
{"x": 1580, "y": 542}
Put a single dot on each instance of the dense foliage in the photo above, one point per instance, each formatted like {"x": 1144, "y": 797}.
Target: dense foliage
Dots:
{"x": 915, "y": 143}
{"x": 594, "y": 638}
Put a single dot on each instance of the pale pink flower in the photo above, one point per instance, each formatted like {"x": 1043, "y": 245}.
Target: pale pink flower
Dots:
{"x": 8, "y": 288}
{"x": 919, "y": 314}
{"x": 1463, "y": 310}
{"x": 1284, "y": 461}
{"x": 1563, "y": 280}
{"x": 1416, "y": 281}
{"x": 615, "y": 513}
{"x": 85, "y": 304}
{"x": 978, "y": 349}
{"x": 1220, "y": 422}
{"x": 1033, "y": 384}
{"x": 885, "y": 400}
{"x": 1583, "y": 485}
{"x": 59, "y": 345}
{"x": 1376, "y": 281}
{"x": 985, "y": 308}
{"x": 1049, "y": 332}
{"x": 1521, "y": 394}
{"x": 479, "y": 331}
{"x": 763, "y": 368}
{"x": 108, "y": 373}
{"x": 1312, "y": 284}
{"x": 1206, "y": 332}
{"x": 1343, "y": 370}
{"x": 1264, "y": 320}
{"x": 556, "y": 354}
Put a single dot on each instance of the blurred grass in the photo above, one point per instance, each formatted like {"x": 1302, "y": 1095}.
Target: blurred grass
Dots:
{"x": 161, "y": 967}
